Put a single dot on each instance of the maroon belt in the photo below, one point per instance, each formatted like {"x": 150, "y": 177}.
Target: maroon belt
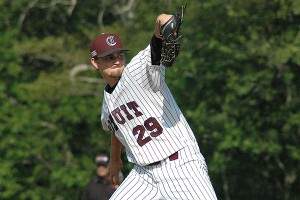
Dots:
{"x": 172, "y": 157}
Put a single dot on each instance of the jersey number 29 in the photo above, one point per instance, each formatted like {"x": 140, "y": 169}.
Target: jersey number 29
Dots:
{"x": 151, "y": 125}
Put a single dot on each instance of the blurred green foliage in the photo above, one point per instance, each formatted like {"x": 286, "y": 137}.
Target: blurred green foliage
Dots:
{"x": 236, "y": 80}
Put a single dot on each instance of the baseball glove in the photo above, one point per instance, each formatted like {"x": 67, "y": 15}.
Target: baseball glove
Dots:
{"x": 170, "y": 32}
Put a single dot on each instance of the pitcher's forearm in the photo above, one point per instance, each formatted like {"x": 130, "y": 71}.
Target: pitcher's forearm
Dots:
{"x": 116, "y": 148}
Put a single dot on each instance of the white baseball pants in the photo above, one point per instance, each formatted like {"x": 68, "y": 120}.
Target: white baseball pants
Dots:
{"x": 184, "y": 178}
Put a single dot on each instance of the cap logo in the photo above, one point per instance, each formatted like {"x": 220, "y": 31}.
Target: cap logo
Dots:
{"x": 110, "y": 41}
{"x": 94, "y": 53}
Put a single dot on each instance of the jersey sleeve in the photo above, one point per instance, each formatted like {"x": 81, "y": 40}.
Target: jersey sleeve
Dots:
{"x": 149, "y": 76}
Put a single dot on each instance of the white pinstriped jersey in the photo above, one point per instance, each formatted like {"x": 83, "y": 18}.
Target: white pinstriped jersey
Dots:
{"x": 143, "y": 114}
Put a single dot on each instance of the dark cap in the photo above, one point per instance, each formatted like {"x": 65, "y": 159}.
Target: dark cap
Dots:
{"x": 101, "y": 159}
{"x": 106, "y": 44}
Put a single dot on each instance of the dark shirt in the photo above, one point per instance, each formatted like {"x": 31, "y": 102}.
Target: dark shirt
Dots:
{"x": 156, "y": 45}
{"x": 98, "y": 189}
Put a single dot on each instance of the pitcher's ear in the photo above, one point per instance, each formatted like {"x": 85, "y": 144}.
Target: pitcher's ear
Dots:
{"x": 94, "y": 62}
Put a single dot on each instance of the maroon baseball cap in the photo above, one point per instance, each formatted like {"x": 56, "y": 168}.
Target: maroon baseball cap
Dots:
{"x": 106, "y": 44}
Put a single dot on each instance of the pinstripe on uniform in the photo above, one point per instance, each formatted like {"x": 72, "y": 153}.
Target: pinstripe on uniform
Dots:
{"x": 185, "y": 178}
{"x": 143, "y": 114}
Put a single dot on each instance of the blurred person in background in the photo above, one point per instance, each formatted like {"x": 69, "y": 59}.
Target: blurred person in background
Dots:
{"x": 99, "y": 187}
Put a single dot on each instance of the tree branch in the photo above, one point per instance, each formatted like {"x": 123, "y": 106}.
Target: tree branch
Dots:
{"x": 82, "y": 68}
{"x": 25, "y": 12}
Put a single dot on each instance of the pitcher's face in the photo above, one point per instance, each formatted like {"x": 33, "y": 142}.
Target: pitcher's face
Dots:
{"x": 111, "y": 66}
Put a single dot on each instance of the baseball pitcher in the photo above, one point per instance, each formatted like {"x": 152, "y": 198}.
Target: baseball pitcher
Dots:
{"x": 142, "y": 115}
